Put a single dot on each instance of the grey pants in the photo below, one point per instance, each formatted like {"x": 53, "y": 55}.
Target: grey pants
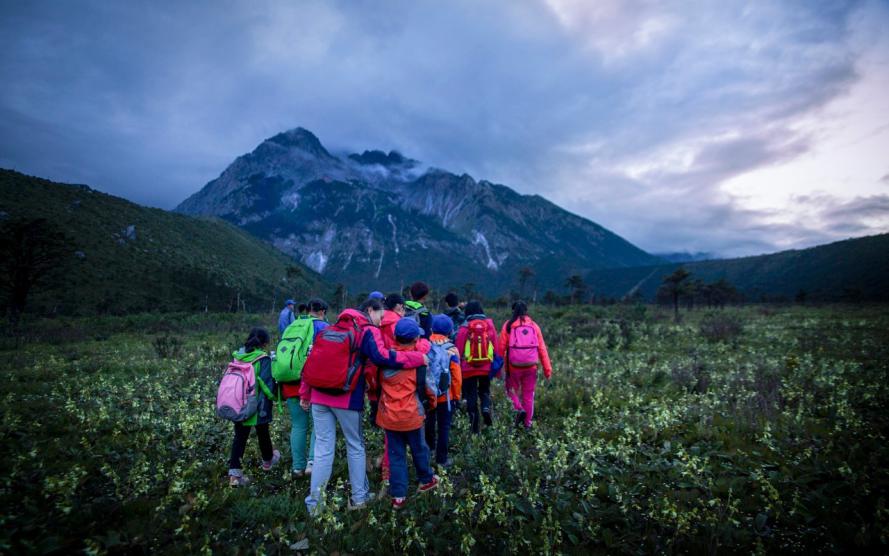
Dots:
{"x": 325, "y": 419}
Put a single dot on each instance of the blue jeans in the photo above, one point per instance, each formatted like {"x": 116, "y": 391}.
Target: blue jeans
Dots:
{"x": 325, "y": 419}
{"x": 300, "y": 421}
{"x": 439, "y": 423}
{"x": 398, "y": 443}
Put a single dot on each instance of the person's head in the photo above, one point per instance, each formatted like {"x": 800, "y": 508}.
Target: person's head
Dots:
{"x": 519, "y": 310}
{"x": 374, "y": 310}
{"x": 289, "y": 304}
{"x": 302, "y": 308}
{"x": 318, "y": 308}
{"x": 419, "y": 291}
{"x": 395, "y": 302}
{"x": 376, "y": 295}
{"x": 407, "y": 331}
{"x": 452, "y": 300}
{"x": 257, "y": 339}
{"x": 442, "y": 324}
{"x": 474, "y": 307}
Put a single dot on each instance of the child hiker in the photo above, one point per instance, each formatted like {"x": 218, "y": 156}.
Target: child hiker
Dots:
{"x": 525, "y": 352}
{"x": 404, "y": 401}
{"x": 254, "y": 352}
{"x": 438, "y": 422}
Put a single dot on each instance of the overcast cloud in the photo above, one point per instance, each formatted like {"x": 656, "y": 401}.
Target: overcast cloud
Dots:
{"x": 728, "y": 127}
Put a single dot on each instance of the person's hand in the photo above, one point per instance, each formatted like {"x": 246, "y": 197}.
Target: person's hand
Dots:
{"x": 305, "y": 404}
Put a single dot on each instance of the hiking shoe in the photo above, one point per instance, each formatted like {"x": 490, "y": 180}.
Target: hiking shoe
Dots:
{"x": 297, "y": 474}
{"x": 276, "y": 457}
{"x": 520, "y": 418}
{"x": 529, "y": 428}
{"x": 486, "y": 417}
{"x": 431, "y": 485}
{"x": 236, "y": 478}
{"x": 398, "y": 503}
{"x": 309, "y": 468}
{"x": 446, "y": 464}
{"x": 370, "y": 497}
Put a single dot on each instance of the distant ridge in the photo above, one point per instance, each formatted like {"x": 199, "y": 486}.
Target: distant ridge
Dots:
{"x": 849, "y": 270}
{"x": 129, "y": 258}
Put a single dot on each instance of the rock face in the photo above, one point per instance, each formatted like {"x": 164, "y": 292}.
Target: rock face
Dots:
{"x": 376, "y": 220}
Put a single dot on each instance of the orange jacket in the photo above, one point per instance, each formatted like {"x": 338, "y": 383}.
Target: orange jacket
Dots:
{"x": 456, "y": 372}
{"x": 541, "y": 346}
{"x": 400, "y": 407}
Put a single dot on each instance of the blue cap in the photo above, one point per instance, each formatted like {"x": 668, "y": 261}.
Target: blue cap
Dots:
{"x": 407, "y": 329}
{"x": 289, "y": 302}
{"x": 442, "y": 324}
{"x": 376, "y": 295}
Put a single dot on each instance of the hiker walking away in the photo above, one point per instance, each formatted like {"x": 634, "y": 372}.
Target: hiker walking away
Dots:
{"x": 478, "y": 346}
{"x": 404, "y": 403}
{"x": 394, "y": 310}
{"x": 286, "y": 316}
{"x": 254, "y": 353}
{"x": 333, "y": 384}
{"x": 525, "y": 352}
{"x": 414, "y": 308}
{"x": 438, "y": 422}
{"x": 290, "y": 358}
{"x": 454, "y": 311}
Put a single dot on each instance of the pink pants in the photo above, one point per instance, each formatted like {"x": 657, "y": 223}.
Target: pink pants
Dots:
{"x": 521, "y": 382}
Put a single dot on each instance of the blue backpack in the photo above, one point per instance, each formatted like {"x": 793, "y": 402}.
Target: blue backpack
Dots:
{"x": 438, "y": 372}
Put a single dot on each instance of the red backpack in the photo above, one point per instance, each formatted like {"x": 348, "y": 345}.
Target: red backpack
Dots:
{"x": 333, "y": 365}
{"x": 479, "y": 350}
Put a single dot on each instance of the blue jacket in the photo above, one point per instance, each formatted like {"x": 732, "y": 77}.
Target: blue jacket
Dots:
{"x": 285, "y": 318}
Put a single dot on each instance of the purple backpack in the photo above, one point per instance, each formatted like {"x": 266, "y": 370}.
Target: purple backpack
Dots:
{"x": 523, "y": 346}
{"x": 237, "y": 399}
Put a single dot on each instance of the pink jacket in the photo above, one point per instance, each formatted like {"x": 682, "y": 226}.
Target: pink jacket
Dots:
{"x": 541, "y": 346}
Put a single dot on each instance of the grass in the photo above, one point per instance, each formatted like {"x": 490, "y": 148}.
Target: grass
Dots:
{"x": 649, "y": 438}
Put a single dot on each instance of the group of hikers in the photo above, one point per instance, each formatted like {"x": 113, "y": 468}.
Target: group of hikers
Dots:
{"x": 414, "y": 367}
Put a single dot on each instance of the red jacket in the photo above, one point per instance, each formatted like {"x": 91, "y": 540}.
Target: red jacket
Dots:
{"x": 541, "y": 346}
{"x": 400, "y": 406}
{"x": 483, "y": 369}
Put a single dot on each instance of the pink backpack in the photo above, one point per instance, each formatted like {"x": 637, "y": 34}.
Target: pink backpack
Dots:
{"x": 236, "y": 399}
{"x": 523, "y": 346}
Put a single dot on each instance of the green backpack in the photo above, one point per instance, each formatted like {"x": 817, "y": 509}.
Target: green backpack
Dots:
{"x": 293, "y": 350}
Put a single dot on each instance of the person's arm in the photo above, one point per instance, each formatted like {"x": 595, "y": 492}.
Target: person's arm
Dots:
{"x": 497, "y": 344}
{"x": 543, "y": 352}
{"x": 373, "y": 348}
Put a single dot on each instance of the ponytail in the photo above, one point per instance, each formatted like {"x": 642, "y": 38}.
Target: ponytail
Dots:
{"x": 258, "y": 338}
{"x": 519, "y": 310}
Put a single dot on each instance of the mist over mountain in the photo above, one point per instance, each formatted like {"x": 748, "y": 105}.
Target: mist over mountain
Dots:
{"x": 378, "y": 220}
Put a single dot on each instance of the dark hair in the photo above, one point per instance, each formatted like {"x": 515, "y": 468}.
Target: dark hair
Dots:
{"x": 474, "y": 307}
{"x": 392, "y": 300}
{"x": 370, "y": 304}
{"x": 419, "y": 290}
{"x": 302, "y": 308}
{"x": 519, "y": 309}
{"x": 258, "y": 337}
{"x": 452, "y": 300}
{"x": 317, "y": 305}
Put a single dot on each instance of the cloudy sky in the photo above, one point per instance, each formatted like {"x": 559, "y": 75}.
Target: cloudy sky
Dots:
{"x": 729, "y": 127}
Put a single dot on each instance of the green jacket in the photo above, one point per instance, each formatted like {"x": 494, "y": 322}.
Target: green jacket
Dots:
{"x": 262, "y": 366}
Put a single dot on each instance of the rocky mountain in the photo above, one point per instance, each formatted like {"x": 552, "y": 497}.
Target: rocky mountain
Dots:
{"x": 127, "y": 258}
{"x": 378, "y": 220}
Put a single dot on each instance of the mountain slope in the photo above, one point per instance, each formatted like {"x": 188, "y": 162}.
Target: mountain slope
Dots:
{"x": 376, "y": 220}
{"x": 131, "y": 258}
{"x": 853, "y": 269}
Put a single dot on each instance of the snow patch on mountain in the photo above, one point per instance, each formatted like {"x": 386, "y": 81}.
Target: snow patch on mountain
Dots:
{"x": 316, "y": 260}
{"x": 394, "y": 232}
{"x": 480, "y": 239}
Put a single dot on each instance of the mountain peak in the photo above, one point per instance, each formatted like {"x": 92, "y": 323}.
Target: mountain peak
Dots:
{"x": 299, "y": 138}
{"x": 394, "y": 158}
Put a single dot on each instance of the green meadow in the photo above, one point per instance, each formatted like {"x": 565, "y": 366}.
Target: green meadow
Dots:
{"x": 748, "y": 430}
